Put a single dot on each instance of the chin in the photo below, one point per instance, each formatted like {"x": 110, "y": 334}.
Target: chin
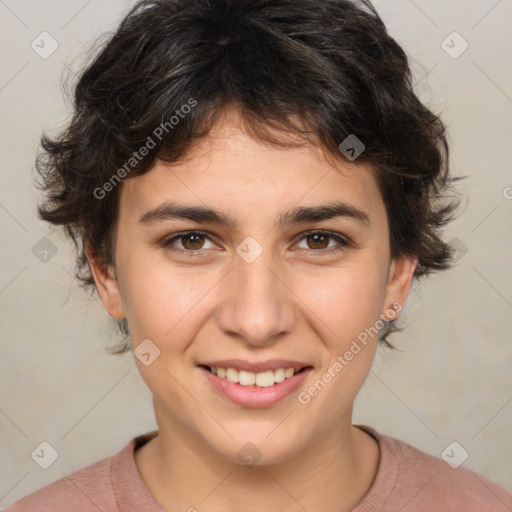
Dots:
{"x": 257, "y": 451}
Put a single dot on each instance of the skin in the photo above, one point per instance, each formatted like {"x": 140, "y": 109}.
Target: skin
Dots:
{"x": 295, "y": 301}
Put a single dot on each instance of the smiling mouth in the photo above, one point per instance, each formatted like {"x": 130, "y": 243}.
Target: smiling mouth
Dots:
{"x": 263, "y": 379}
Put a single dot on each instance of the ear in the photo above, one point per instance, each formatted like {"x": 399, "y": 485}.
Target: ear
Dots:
{"x": 106, "y": 284}
{"x": 399, "y": 283}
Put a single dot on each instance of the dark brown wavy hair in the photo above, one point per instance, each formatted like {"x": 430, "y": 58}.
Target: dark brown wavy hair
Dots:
{"x": 320, "y": 69}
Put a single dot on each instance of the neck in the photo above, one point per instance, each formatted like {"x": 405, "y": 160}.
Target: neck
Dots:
{"x": 182, "y": 473}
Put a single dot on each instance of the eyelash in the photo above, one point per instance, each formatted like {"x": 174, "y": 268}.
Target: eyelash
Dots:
{"x": 342, "y": 241}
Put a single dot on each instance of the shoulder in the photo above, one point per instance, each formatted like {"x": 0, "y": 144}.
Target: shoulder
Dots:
{"x": 88, "y": 489}
{"x": 416, "y": 481}
{"x": 109, "y": 485}
{"x": 434, "y": 479}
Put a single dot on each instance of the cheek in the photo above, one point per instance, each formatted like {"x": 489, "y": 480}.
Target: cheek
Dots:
{"x": 166, "y": 306}
{"x": 346, "y": 301}
{"x": 347, "y": 305}
{"x": 160, "y": 300}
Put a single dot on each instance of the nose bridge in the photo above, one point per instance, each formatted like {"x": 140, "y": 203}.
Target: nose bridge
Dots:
{"x": 256, "y": 305}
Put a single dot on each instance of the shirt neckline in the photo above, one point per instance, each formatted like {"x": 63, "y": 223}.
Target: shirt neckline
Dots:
{"x": 130, "y": 490}
{"x": 132, "y": 494}
{"x": 387, "y": 474}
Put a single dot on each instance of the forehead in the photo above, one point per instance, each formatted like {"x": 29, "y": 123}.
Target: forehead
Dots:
{"x": 233, "y": 171}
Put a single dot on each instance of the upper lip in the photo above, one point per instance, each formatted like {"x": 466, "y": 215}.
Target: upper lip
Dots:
{"x": 253, "y": 366}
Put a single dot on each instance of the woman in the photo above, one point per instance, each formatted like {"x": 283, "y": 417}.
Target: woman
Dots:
{"x": 252, "y": 187}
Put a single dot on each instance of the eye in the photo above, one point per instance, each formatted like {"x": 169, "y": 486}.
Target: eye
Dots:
{"x": 191, "y": 241}
{"x": 319, "y": 241}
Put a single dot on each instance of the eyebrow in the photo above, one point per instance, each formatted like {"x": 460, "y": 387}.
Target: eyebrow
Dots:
{"x": 168, "y": 210}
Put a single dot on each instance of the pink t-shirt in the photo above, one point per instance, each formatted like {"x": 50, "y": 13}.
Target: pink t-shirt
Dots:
{"x": 408, "y": 480}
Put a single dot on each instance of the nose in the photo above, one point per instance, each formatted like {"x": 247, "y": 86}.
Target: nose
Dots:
{"x": 257, "y": 304}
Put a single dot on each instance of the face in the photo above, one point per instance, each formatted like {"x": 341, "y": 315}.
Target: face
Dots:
{"x": 264, "y": 285}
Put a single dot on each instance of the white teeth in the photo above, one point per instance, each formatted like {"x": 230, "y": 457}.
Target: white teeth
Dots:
{"x": 231, "y": 375}
{"x": 288, "y": 372}
{"x": 262, "y": 379}
{"x": 265, "y": 379}
{"x": 279, "y": 375}
{"x": 246, "y": 378}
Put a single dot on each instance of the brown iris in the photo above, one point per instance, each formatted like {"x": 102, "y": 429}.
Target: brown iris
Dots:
{"x": 317, "y": 239}
{"x": 197, "y": 241}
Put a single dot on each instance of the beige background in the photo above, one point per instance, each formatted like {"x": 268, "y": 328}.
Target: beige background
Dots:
{"x": 452, "y": 383}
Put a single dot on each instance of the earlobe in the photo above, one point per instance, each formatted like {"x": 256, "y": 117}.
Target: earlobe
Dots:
{"x": 106, "y": 284}
{"x": 399, "y": 283}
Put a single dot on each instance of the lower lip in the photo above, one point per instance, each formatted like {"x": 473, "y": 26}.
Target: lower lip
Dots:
{"x": 253, "y": 396}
